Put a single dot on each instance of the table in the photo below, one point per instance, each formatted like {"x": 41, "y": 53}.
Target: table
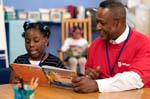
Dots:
{"x": 51, "y": 92}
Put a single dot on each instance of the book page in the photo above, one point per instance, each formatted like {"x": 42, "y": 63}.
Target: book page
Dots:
{"x": 28, "y": 71}
{"x": 58, "y": 76}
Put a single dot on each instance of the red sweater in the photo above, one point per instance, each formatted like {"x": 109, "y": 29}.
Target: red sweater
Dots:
{"x": 134, "y": 57}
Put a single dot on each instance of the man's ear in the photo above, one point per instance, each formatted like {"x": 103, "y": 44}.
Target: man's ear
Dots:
{"x": 117, "y": 21}
{"x": 120, "y": 21}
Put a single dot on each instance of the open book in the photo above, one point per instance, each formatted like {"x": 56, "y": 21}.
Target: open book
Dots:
{"x": 46, "y": 74}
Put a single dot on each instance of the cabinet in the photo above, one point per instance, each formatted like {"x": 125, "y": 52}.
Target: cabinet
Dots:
{"x": 2, "y": 59}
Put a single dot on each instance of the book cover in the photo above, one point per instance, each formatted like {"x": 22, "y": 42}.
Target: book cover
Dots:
{"x": 59, "y": 77}
{"x": 28, "y": 71}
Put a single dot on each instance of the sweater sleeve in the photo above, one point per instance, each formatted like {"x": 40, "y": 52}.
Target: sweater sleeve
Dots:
{"x": 141, "y": 62}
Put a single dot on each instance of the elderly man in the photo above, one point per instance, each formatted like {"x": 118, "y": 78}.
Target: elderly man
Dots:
{"x": 118, "y": 60}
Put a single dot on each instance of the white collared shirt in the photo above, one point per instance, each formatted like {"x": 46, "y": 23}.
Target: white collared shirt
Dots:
{"x": 120, "y": 82}
{"x": 122, "y": 37}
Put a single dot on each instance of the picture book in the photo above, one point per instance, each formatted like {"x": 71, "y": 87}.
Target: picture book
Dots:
{"x": 46, "y": 74}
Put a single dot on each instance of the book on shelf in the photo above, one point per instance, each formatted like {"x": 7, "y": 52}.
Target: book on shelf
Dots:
{"x": 46, "y": 74}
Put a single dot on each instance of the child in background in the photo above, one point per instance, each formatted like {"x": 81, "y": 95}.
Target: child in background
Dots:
{"x": 75, "y": 47}
{"x": 36, "y": 41}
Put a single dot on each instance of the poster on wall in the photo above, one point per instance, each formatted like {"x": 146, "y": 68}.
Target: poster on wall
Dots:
{"x": 3, "y": 47}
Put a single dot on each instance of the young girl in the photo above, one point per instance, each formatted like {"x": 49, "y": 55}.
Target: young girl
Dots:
{"x": 75, "y": 47}
{"x": 36, "y": 41}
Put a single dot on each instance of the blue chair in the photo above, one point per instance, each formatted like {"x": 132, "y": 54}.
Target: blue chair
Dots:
{"x": 4, "y": 75}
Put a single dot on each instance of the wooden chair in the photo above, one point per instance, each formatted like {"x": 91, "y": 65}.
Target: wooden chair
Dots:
{"x": 67, "y": 24}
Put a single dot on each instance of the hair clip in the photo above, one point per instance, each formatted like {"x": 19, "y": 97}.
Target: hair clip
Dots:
{"x": 27, "y": 24}
{"x": 23, "y": 34}
{"x": 44, "y": 27}
{"x": 45, "y": 30}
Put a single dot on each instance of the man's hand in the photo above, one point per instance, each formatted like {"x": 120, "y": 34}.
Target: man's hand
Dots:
{"x": 94, "y": 74}
{"x": 84, "y": 84}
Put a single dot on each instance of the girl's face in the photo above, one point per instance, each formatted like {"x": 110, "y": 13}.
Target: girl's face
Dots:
{"x": 77, "y": 34}
{"x": 35, "y": 43}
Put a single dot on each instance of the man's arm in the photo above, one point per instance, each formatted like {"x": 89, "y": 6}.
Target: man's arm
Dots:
{"x": 120, "y": 82}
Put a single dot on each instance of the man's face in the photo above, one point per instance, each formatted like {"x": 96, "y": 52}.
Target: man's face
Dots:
{"x": 35, "y": 44}
{"x": 106, "y": 25}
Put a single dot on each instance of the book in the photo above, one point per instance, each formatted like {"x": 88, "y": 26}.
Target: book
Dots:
{"x": 46, "y": 74}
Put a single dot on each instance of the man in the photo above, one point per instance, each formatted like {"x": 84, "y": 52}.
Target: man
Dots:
{"x": 118, "y": 60}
